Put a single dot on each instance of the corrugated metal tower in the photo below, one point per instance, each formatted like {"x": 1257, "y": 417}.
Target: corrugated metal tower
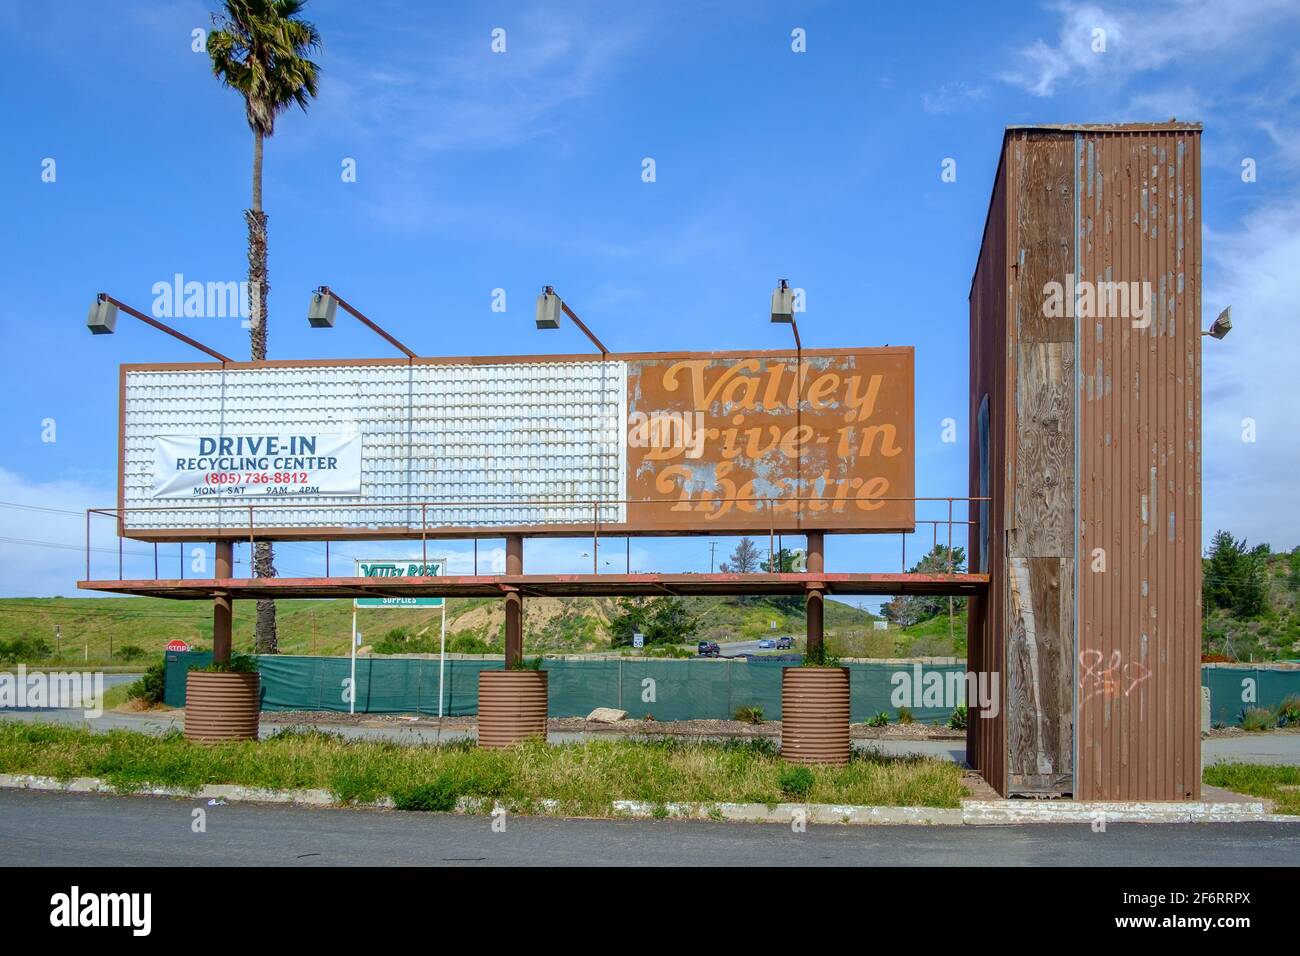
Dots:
{"x": 1085, "y": 399}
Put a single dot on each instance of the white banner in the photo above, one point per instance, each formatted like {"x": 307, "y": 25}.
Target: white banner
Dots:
{"x": 248, "y": 466}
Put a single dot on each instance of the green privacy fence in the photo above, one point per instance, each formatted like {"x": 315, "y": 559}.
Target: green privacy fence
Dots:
{"x": 1235, "y": 688}
{"x": 664, "y": 689}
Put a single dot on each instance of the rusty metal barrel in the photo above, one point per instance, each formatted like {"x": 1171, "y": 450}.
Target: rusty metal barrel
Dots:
{"x": 815, "y": 715}
{"x": 511, "y": 706}
{"x": 221, "y": 707}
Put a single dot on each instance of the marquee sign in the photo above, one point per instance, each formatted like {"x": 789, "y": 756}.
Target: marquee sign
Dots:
{"x": 638, "y": 444}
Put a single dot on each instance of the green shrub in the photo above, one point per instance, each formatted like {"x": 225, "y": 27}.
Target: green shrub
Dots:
{"x": 130, "y": 652}
{"x": 1288, "y": 712}
{"x": 749, "y": 714}
{"x": 958, "y": 719}
{"x": 905, "y": 715}
{"x": 881, "y": 719}
{"x": 751, "y": 746}
{"x": 148, "y": 688}
{"x": 820, "y": 658}
{"x": 438, "y": 795}
{"x": 466, "y": 643}
{"x": 239, "y": 664}
{"x": 796, "y": 782}
{"x": 24, "y": 649}
{"x": 1257, "y": 718}
{"x": 527, "y": 664}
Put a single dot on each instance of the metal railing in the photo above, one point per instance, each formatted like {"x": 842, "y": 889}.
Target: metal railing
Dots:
{"x": 771, "y": 507}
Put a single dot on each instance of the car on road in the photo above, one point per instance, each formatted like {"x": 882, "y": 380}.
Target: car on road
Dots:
{"x": 766, "y": 644}
{"x": 783, "y": 642}
{"x": 708, "y": 649}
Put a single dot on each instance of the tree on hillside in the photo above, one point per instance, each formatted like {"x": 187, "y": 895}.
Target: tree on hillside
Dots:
{"x": 1235, "y": 578}
{"x": 260, "y": 49}
{"x": 783, "y": 563}
{"x": 908, "y": 609}
{"x": 662, "y": 620}
{"x": 744, "y": 560}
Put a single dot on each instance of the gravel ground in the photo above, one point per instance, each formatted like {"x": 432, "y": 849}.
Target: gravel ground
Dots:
{"x": 1218, "y": 732}
{"x": 701, "y": 728}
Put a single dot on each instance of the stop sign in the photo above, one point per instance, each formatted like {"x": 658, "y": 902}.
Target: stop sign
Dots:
{"x": 177, "y": 646}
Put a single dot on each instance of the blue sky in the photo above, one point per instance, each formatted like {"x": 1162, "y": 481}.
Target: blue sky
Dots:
{"x": 478, "y": 171}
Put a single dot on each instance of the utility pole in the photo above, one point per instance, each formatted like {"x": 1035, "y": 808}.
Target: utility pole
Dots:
{"x": 713, "y": 546}
{"x": 58, "y": 639}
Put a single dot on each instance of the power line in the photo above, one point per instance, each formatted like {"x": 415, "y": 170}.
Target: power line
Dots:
{"x": 24, "y": 507}
{"x": 31, "y": 542}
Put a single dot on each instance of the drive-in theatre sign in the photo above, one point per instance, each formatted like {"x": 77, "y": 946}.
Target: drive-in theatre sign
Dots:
{"x": 641, "y": 443}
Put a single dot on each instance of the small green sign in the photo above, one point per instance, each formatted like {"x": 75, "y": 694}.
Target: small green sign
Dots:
{"x": 390, "y": 568}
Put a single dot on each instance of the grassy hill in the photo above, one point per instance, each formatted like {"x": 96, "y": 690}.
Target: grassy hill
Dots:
{"x": 935, "y": 637}
{"x": 1273, "y": 633}
{"x": 574, "y": 625}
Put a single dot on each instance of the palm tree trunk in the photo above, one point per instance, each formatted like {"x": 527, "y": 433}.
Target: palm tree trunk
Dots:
{"x": 267, "y": 641}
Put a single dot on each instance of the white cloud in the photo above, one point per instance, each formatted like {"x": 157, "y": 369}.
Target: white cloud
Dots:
{"x": 1140, "y": 40}
{"x": 431, "y": 100}
{"x": 951, "y": 97}
{"x": 1286, "y": 142}
{"x": 1249, "y": 487}
{"x": 1044, "y": 65}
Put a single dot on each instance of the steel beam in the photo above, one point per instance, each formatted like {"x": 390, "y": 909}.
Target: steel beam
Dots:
{"x": 222, "y": 608}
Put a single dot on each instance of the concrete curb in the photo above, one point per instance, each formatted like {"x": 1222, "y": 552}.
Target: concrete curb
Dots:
{"x": 231, "y": 793}
{"x": 971, "y": 813}
{"x": 1016, "y": 812}
{"x": 784, "y": 813}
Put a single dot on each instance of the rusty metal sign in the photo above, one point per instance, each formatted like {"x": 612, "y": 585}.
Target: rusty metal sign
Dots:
{"x": 755, "y": 442}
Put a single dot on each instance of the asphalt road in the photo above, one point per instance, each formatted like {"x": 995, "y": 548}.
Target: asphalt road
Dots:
{"x": 744, "y": 648}
{"x": 56, "y": 829}
{"x": 110, "y": 680}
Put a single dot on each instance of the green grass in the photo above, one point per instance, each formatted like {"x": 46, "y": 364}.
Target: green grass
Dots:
{"x": 584, "y": 777}
{"x": 930, "y": 638}
{"x": 1259, "y": 780}
{"x": 115, "y": 696}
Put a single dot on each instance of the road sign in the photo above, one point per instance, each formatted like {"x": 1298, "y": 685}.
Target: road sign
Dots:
{"x": 638, "y": 640}
{"x": 177, "y": 647}
{"x": 399, "y": 568}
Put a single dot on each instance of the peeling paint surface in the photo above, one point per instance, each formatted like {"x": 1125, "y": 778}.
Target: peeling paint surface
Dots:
{"x": 769, "y": 431}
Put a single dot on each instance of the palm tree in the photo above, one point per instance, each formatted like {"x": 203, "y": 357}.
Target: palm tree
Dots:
{"x": 260, "y": 49}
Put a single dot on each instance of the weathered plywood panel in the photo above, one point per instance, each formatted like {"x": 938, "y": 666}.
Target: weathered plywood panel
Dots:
{"x": 1040, "y": 652}
{"x": 1039, "y": 673}
{"x": 1040, "y": 538}
{"x": 1044, "y": 502}
{"x": 1043, "y": 216}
